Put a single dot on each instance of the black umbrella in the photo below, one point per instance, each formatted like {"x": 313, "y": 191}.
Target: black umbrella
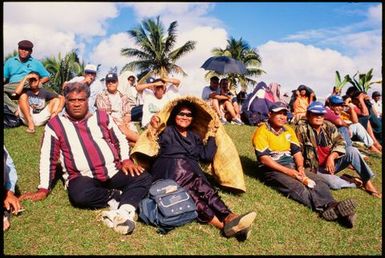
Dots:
{"x": 224, "y": 64}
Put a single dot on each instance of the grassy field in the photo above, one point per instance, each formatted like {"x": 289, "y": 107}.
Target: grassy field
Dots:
{"x": 282, "y": 226}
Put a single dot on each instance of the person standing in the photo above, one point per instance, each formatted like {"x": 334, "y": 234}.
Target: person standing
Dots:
{"x": 16, "y": 68}
{"x": 94, "y": 155}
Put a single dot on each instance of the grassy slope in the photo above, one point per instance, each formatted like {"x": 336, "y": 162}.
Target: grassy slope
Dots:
{"x": 282, "y": 226}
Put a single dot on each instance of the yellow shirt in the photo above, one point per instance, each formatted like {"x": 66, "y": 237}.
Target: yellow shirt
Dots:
{"x": 280, "y": 146}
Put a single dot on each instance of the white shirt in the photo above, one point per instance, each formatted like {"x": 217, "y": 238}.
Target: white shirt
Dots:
{"x": 377, "y": 106}
{"x": 153, "y": 105}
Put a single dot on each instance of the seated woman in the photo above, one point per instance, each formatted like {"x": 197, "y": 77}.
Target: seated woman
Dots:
{"x": 180, "y": 151}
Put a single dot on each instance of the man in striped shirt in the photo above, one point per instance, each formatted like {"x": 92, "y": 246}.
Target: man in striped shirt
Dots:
{"x": 94, "y": 155}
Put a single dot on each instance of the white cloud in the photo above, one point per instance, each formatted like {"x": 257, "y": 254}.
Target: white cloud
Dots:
{"x": 292, "y": 64}
{"x": 107, "y": 52}
{"x": 54, "y": 26}
{"x": 375, "y": 14}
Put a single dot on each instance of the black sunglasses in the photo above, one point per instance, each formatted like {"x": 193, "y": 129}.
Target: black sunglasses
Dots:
{"x": 185, "y": 114}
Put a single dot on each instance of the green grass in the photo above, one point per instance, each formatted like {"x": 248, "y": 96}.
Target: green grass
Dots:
{"x": 282, "y": 226}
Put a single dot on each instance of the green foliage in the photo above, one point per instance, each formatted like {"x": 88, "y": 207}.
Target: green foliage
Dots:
{"x": 8, "y": 56}
{"x": 282, "y": 226}
{"x": 62, "y": 69}
{"x": 157, "y": 53}
{"x": 364, "y": 82}
{"x": 240, "y": 50}
{"x": 340, "y": 84}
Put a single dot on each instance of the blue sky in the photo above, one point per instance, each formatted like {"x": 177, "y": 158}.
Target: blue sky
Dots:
{"x": 300, "y": 43}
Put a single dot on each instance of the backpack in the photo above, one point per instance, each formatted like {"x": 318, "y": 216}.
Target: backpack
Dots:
{"x": 167, "y": 206}
{"x": 10, "y": 120}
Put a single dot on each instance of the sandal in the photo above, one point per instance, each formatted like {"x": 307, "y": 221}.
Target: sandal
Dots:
{"x": 352, "y": 179}
{"x": 29, "y": 130}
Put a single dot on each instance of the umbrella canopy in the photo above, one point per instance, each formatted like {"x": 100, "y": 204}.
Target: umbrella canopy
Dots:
{"x": 224, "y": 64}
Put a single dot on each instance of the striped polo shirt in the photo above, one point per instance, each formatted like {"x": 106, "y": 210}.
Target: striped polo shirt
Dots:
{"x": 92, "y": 147}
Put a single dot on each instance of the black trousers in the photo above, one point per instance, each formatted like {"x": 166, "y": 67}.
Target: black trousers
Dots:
{"x": 86, "y": 192}
{"x": 317, "y": 198}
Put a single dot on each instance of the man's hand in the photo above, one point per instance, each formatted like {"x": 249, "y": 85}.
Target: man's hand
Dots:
{"x": 128, "y": 166}
{"x": 330, "y": 166}
{"x": 11, "y": 202}
{"x": 155, "y": 121}
{"x": 34, "y": 196}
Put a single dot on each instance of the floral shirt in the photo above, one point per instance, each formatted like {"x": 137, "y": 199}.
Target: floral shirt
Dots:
{"x": 307, "y": 138}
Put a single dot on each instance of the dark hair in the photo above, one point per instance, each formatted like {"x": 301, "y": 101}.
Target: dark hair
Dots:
{"x": 214, "y": 78}
{"x": 76, "y": 87}
{"x": 33, "y": 72}
{"x": 178, "y": 107}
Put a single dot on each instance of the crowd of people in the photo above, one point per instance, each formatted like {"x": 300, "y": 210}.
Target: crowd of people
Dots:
{"x": 90, "y": 129}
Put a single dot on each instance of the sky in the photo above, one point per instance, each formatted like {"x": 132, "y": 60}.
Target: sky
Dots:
{"x": 299, "y": 42}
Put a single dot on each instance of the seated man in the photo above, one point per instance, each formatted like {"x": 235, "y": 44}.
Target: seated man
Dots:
{"x": 11, "y": 203}
{"x": 37, "y": 105}
{"x": 156, "y": 93}
{"x": 281, "y": 166}
{"x": 325, "y": 151}
{"x": 212, "y": 95}
{"x": 229, "y": 105}
{"x": 345, "y": 118}
{"x": 89, "y": 77}
{"x": 16, "y": 68}
{"x": 94, "y": 155}
{"x": 118, "y": 106}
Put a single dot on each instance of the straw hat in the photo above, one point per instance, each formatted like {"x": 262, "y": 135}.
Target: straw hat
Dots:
{"x": 226, "y": 167}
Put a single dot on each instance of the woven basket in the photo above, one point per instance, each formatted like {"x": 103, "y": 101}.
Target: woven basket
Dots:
{"x": 226, "y": 167}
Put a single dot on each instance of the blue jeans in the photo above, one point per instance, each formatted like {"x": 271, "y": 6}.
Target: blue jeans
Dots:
{"x": 353, "y": 157}
{"x": 344, "y": 131}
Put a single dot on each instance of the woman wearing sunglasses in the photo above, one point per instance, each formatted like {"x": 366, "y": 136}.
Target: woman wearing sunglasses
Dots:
{"x": 180, "y": 151}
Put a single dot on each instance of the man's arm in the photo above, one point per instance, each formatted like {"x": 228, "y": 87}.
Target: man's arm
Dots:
{"x": 49, "y": 156}
{"x": 270, "y": 163}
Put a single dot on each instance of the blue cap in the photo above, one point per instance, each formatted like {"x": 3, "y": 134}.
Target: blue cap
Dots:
{"x": 316, "y": 108}
{"x": 336, "y": 100}
{"x": 278, "y": 106}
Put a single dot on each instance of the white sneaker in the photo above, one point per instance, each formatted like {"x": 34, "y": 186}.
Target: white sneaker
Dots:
{"x": 108, "y": 217}
{"x": 236, "y": 121}
{"x": 223, "y": 120}
{"x": 113, "y": 204}
{"x": 123, "y": 225}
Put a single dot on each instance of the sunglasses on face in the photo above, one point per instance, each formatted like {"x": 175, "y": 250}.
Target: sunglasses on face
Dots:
{"x": 185, "y": 114}
{"x": 32, "y": 79}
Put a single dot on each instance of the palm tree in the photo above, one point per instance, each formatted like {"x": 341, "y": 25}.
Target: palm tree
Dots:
{"x": 63, "y": 69}
{"x": 156, "y": 54}
{"x": 240, "y": 50}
